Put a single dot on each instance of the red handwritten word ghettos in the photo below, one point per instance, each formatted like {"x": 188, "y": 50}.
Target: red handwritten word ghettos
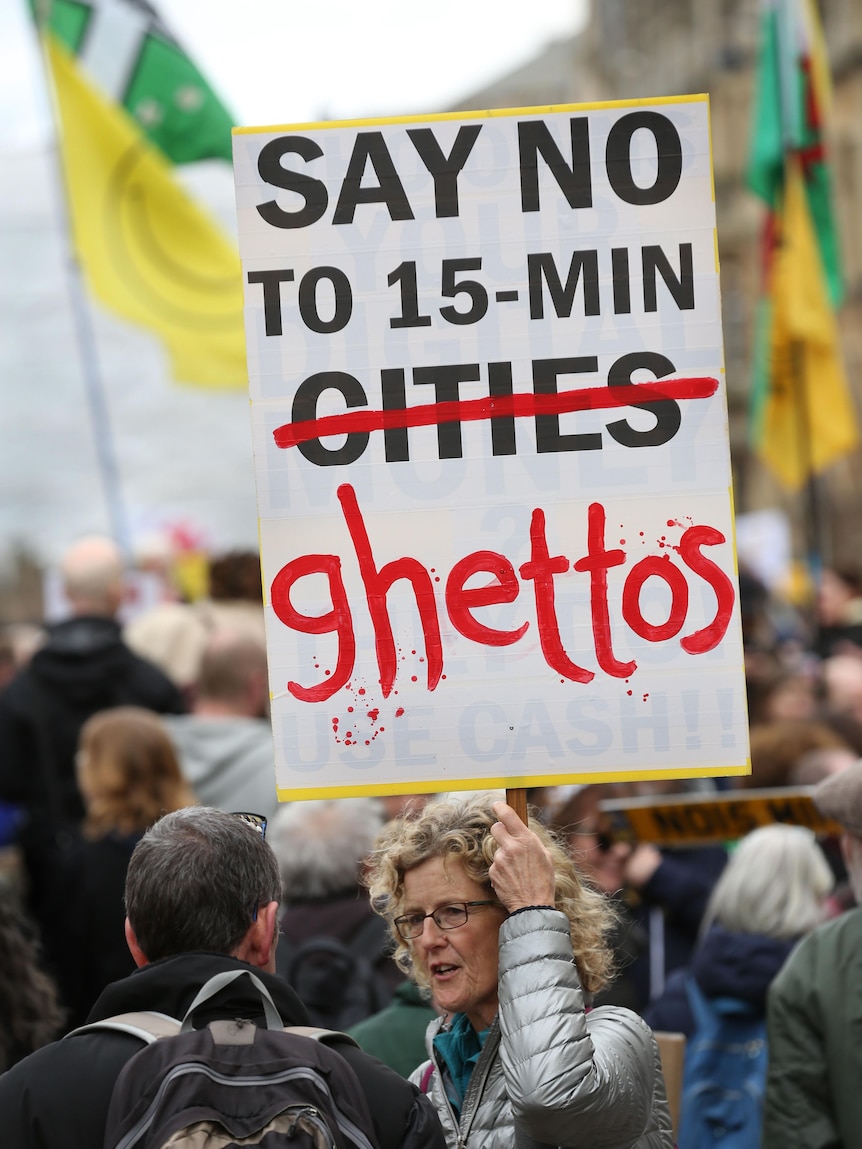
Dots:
{"x": 461, "y": 600}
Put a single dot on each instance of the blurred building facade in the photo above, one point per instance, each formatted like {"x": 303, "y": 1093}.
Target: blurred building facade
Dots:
{"x": 631, "y": 50}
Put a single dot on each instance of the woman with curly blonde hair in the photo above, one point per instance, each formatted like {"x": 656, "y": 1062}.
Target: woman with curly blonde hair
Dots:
{"x": 492, "y": 918}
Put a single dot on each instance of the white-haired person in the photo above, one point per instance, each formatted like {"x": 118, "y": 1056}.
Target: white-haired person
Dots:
{"x": 492, "y": 916}
{"x": 333, "y": 948}
{"x": 771, "y": 893}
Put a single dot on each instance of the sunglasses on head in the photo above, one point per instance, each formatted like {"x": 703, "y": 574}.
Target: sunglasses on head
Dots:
{"x": 256, "y": 821}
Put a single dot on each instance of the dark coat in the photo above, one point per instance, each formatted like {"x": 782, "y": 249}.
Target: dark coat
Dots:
{"x": 674, "y": 900}
{"x": 83, "y": 667}
{"x": 89, "y": 916}
{"x": 726, "y": 964}
{"x": 60, "y": 1094}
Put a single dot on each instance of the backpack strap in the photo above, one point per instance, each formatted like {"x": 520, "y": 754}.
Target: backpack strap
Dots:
{"x": 425, "y": 1080}
{"x": 218, "y": 982}
{"x": 332, "y": 1037}
{"x": 148, "y": 1025}
{"x": 700, "y": 1007}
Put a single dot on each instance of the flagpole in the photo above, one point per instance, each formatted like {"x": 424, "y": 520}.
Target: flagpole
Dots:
{"x": 94, "y": 387}
{"x": 813, "y": 532}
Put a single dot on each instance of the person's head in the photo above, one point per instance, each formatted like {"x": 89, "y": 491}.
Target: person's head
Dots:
{"x": 775, "y": 883}
{"x": 841, "y": 676}
{"x": 235, "y": 577}
{"x": 776, "y": 747}
{"x": 837, "y": 588}
{"x": 201, "y": 879}
{"x": 233, "y": 674}
{"x": 128, "y": 772}
{"x": 321, "y": 845}
{"x": 441, "y": 858}
{"x": 839, "y": 797}
{"x": 600, "y": 859}
{"x": 92, "y": 576}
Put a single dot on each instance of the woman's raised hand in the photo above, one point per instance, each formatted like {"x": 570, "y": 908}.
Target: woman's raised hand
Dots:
{"x": 522, "y": 873}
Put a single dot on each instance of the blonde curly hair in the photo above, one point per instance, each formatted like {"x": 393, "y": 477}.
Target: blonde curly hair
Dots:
{"x": 460, "y": 828}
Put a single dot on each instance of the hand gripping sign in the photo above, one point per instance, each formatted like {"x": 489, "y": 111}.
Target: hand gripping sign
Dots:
{"x": 491, "y": 452}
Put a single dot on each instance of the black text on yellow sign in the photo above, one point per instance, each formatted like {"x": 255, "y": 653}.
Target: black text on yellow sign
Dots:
{"x": 689, "y": 821}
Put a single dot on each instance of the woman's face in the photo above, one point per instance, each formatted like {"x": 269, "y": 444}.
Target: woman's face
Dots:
{"x": 460, "y": 964}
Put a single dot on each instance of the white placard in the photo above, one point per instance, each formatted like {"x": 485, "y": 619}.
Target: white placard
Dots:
{"x": 491, "y": 449}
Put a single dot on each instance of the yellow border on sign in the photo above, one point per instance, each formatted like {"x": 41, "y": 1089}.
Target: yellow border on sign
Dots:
{"x": 487, "y": 113}
{"x": 503, "y": 782}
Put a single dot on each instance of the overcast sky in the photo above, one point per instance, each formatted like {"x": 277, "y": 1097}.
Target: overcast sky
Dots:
{"x": 277, "y": 61}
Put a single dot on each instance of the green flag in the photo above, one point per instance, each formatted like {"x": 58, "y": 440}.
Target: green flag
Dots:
{"x": 128, "y": 53}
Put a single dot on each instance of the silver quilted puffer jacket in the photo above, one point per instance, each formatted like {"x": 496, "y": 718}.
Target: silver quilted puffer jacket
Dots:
{"x": 563, "y": 1077}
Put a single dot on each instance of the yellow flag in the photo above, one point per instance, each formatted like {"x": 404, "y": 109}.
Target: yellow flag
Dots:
{"x": 809, "y": 419}
{"x": 148, "y": 252}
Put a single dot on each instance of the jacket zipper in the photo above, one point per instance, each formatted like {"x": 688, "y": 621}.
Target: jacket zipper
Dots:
{"x": 493, "y": 1036}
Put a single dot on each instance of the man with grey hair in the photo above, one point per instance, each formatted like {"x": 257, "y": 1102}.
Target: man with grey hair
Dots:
{"x": 202, "y": 897}
{"x": 83, "y": 667}
{"x": 813, "y": 1095}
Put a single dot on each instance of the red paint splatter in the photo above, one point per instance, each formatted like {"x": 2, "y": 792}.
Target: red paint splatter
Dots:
{"x": 399, "y": 711}
{"x": 374, "y": 714}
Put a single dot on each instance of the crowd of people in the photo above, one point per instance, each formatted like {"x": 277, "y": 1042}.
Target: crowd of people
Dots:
{"x": 508, "y": 978}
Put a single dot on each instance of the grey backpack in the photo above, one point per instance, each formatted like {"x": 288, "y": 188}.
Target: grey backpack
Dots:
{"x": 234, "y": 1083}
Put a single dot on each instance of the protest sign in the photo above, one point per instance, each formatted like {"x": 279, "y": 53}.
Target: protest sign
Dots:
{"x": 491, "y": 449}
{"x": 704, "y": 819}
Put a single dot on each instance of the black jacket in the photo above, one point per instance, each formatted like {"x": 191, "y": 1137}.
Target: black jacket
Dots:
{"x": 59, "y": 1095}
{"x": 83, "y": 667}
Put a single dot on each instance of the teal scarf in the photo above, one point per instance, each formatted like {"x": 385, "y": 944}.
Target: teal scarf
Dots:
{"x": 459, "y": 1047}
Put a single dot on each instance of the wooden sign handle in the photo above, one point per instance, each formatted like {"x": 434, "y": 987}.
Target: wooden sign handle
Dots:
{"x": 517, "y": 799}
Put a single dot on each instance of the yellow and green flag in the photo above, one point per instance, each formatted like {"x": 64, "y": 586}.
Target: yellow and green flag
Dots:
{"x": 129, "y": 105}
{"x": 803, "y": 417}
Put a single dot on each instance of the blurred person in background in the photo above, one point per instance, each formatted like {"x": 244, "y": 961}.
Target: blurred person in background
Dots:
{"x": 174, "y": 634}
{"x": 334, "y": 949}
{"x": 660, "y": 893}
{"x": 813, "y": 1099}
{"x": 29, "y": 1002}
{"x": 777, "y": 747}
{"x": 493, "y": 917}
{"x": 82, "y": 667}
{"x": 225, "y": 743}
{"x": 602, "y": 863}
{"x": 772, "y": 892}
{"x": 839, "y": 612}
{"x": 129, "y": 776}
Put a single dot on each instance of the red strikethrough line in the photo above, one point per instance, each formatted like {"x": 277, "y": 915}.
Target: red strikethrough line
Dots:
{"x": 494, "y": 407}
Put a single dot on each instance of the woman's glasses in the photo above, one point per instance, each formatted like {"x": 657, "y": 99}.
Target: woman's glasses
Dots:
{"x": 256, "y": 821}
{"x": 446, "y": 917}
